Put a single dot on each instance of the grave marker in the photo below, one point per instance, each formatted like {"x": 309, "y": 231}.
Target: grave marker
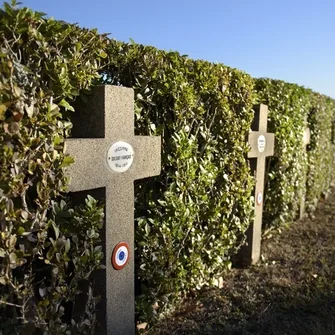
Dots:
{"x": 262, "y": 146}
{"x": 306, "y": 141}
{"x": 113, "y": 159}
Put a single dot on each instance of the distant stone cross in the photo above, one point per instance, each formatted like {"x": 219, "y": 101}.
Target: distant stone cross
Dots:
{"x": 262, "y": 145}
{"x": 113, "y": 159}
{"x": 306, "y": 141}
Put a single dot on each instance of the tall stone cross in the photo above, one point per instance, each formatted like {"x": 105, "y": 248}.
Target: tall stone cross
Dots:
{"x": 262, "y": 145}
{"x": 306, "y": 141}
{"x": 113, "y": 159}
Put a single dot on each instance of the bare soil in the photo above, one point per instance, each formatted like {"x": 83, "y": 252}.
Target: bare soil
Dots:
{"x": 291, "y": 290}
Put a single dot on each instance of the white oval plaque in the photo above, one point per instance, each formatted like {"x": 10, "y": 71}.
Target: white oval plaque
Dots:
{"x": 259, "y": 198}
{"x": 120, "y": 156}
{"x": 261, "y": 143}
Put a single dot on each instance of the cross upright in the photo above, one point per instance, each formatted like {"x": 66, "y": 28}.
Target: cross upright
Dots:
{"x": 112, "y": 160}
{"x": 306, "y": 141}
{"x": 262, "y": 146}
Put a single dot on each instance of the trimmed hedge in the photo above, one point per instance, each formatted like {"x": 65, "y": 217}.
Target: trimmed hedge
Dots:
{"x": 173, "y": 92}
{"x": 321, "y": 149}
{"x": 190, "y": 220}
{"x": 46, "y": 248}
{"x": 290, "y": 106}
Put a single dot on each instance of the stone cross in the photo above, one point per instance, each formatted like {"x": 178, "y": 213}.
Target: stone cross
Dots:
{"x": 306, "y": 141}
{"x": 262, "y": 145}
{"x": 108, "y": 155}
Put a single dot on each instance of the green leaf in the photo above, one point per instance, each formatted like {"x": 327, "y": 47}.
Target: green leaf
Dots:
{"x": 29, "y": 110}
{"x": 66, "y": 105}
{"x": 103, "y": 54}
{"x": 42, "y": 291}
{"x": 56, "y": 229}
{"x": 20, "y": 231}
{"x": 67, "y": 160}
{"x": 67, "y": 246}
{"x": 3, "y": 109}
{"x": 58, "y": 140}
{"x": 13, "y": 258}
{"x": 24, "y": 214}
{"x": 17, "y": 91}
{"x": 147, "y": 229}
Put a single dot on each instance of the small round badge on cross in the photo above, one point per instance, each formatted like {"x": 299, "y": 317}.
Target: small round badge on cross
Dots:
{"x": 120, "y": 256}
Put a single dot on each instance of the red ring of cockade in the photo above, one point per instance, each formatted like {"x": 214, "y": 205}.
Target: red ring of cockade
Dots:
{"x": 113, "y": 258}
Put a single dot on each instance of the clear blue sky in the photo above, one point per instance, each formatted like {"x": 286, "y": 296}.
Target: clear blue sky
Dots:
{"x": 292, "y": 40}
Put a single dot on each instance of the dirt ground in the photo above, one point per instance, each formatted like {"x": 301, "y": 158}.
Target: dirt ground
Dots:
{"x": 291, "y": 291}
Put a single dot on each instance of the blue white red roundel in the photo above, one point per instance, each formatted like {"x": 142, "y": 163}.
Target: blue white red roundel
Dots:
{"x": 120, "y": 256}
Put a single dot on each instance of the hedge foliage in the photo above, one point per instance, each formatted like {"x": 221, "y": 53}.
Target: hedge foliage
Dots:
{"x": 190, "y": 217}
{"x": 289, "y": 106}
{"x": 189, "y": 220}
{"x": 46, "y": 248}
{"x": 292, "y": 108}
{"x": 321, "y": 119}
{"x": 173, "y": 93}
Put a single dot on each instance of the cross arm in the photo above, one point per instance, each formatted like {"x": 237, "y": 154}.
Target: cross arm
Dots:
{"x": 89, "y": 156}
{"x": 147, "y": 156}
{"x": 253, "y": 141}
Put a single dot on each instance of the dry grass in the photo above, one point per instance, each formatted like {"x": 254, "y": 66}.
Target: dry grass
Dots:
{"x": 291, "y": 291}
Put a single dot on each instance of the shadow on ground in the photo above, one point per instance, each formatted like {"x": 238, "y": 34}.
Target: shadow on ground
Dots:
{"x": 291, "y": 291}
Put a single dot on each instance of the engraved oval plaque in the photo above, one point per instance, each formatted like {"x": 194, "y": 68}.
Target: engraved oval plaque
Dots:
{"x": 261, "y": 143}
{"x": 120, "y": 156}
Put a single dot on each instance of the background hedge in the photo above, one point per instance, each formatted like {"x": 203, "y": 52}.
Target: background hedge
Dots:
{"x": 321, "y": 149}
{"x": 173, "y": 92}
{"x": 289, "y": 106}
{"x": 292, "y": 108}
{"x": 189, "y": 220}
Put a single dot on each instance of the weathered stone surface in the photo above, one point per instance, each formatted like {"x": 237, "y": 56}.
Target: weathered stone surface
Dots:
{"x": 306, "y": 141}
{"x": 107, "y": 118}
{"x": 262, "y": 146}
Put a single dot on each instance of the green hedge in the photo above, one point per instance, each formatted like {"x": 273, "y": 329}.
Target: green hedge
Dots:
{"x": 321, "y": 149}
{"x": 46, "y": 248}
{"x": 290, "y": 106}
{"x": 174, "y": 93}
{"x": 189, "y": 218}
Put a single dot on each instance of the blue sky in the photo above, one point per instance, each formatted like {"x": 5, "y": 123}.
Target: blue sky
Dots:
{"x": 289, "y": 40}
